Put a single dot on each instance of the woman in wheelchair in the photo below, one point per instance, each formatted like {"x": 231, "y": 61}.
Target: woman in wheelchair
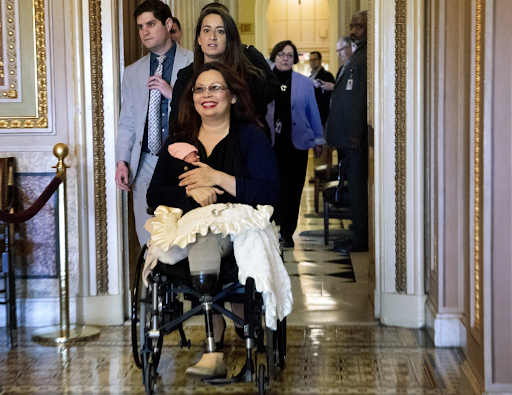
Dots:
{"x": 237, "y": 165}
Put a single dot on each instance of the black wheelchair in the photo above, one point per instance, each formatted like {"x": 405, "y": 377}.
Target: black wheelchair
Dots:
{"x": 157, "y": 310}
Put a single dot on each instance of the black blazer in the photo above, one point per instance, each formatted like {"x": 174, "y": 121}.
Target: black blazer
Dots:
{"x": 262, "y": 91}
{"x": 323, "y": 97}
{"x": 348, "y": 115}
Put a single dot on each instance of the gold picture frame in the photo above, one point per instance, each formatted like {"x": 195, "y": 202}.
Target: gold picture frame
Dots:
{"x": 11, "y": 65}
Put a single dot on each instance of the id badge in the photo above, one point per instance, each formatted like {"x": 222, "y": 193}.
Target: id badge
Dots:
{"x": 350, "y": 82}
{"x": 279, "y": 125}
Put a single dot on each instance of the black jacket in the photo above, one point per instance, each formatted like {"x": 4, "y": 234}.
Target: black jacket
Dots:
{"x": 261, "y": 91}
{"x": 323, "y": 97}
{"x": 348, "y": 113}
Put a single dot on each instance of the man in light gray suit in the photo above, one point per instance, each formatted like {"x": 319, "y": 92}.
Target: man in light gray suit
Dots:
{"x": 136, "y": 157}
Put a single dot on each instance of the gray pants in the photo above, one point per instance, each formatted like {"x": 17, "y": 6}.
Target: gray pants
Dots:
{"x": 140, "y": 188}
{"x": 205, "y": 254}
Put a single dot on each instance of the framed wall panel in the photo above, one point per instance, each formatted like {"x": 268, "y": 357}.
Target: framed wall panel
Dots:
{"x": 24, "y": 89}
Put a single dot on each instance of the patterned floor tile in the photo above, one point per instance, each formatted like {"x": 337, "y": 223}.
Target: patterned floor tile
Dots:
{"x": 325, "y": 356}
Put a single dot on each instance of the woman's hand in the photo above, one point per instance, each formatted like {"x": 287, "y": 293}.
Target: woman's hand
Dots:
{"x": 203, "y": 176}
{"x": 317, "y": 150}
{"x": 204, "y": 195}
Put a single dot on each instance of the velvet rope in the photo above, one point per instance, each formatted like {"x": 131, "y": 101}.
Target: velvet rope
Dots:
{"x": 36, "y": 206}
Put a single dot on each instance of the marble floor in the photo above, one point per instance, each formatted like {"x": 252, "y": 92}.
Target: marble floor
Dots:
{"x": 335, "y": 346}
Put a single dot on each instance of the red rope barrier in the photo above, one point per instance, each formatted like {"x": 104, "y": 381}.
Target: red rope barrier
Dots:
{"x": 36, "y": 206}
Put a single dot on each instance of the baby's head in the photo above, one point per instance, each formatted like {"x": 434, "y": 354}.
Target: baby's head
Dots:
{"x": 184, "y": 151}
{"x": 192, "y": 157}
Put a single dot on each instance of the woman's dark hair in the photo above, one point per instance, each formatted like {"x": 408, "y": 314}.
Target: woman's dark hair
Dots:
{"x": 234, "y": 55}
{"x": 189, "y": 121}
{"x": 280, "y": 46}
{"x": 217, "y": 6}
{"x": 160, "y": 10}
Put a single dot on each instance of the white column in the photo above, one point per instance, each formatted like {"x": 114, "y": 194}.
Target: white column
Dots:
{"x": 91, "y": 307}
{"x": 398, "y": 309}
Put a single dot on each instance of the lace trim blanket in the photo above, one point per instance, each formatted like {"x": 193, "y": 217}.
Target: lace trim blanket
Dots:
{"x": 255, "y": 245}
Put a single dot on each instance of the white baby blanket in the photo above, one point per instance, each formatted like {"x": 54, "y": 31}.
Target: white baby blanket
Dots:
{"x": 255, "y": 244}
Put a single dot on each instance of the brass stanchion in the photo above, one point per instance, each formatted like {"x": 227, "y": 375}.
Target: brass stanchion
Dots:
{"x": 65, "y": 333}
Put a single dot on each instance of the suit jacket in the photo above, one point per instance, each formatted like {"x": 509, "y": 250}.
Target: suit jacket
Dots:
{"x": 348, "y": 113}
{"x": 134, "y": 108}
{"x": 323, "y": 97}
{"x": 307, "y": 130}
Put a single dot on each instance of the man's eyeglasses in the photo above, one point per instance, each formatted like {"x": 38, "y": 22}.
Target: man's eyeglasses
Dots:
{"x": 285, "y": 55}
{"x": 212, "y": 88}
{"x": 342, "y": 48}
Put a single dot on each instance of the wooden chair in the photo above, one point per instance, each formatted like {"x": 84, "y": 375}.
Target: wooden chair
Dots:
{"x": 7, "y": 193}
{"x": 324, "y": 173}
{"x": 335, "y": 196}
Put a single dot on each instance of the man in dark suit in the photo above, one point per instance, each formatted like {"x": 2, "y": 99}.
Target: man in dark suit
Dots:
{"x": 318, "y": 74}
{"x": 347, "y": 130}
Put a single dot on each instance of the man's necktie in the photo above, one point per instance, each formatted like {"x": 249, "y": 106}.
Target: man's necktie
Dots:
{"x": 154, "y": 117}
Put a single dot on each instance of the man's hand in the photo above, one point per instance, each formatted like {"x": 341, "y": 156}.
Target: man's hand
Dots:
{"x": 204, "y": 195}
{"x": 159, "y": 83}
{"x": 122, "y": 176}
{"x": 327, "y": 86}
{"x": 203, "y": 176}
{"x": 317, "y": 150}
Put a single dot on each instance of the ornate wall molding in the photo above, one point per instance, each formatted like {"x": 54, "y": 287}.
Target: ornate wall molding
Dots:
{"x": 477, "y": 163}
{"x": 100, "y": 196}
{"x": 370, "y": 64}
{"x": 9, "y": 64}
{"x": 435, "y": 191}
{"x": 400, "y": 144}
{"x": 40, "y": 120}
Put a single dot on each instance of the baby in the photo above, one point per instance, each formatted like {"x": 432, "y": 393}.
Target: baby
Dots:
{"x": 184, "y": 151}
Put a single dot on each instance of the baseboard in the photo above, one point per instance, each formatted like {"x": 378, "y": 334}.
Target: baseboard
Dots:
{"x": 39, "y": 312}
{"x": 406, "y": 311}
{"x": 105, "y": 310}
{"x": 443, "y": 328}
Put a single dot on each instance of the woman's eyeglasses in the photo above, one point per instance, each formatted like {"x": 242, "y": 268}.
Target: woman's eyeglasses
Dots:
{"x": 285, "y": 55}
{"x": 212, "y": 88}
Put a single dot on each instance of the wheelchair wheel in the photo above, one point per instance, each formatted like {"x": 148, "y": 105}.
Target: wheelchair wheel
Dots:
{"x": 261, "y": 379}
{"x": 135, "y": 307}
{"x": 270, "y": 337}
{"x": 281, "y": 343}
{"x": 149, "y": 345}
{"x": 149, "y": 374}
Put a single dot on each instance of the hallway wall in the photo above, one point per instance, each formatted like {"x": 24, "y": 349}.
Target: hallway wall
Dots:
{"x": 469, "y": 148}
{"x": 37, "y": 114}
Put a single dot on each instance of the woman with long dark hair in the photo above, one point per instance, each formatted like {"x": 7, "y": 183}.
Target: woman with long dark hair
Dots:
{"x": 217, "y": 40}
{"x": 237, "y": 165}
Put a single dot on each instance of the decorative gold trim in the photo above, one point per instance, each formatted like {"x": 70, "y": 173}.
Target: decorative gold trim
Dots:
{"x": 478, "y": 200}
{"x": 40, "y": 121}
{"x": 400, "y": 144}
{"x": 10, "y": 63}
{"x": 369, "y": 65}
{"x": 100, "y": 201}
{"x": 436, "y": 138}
